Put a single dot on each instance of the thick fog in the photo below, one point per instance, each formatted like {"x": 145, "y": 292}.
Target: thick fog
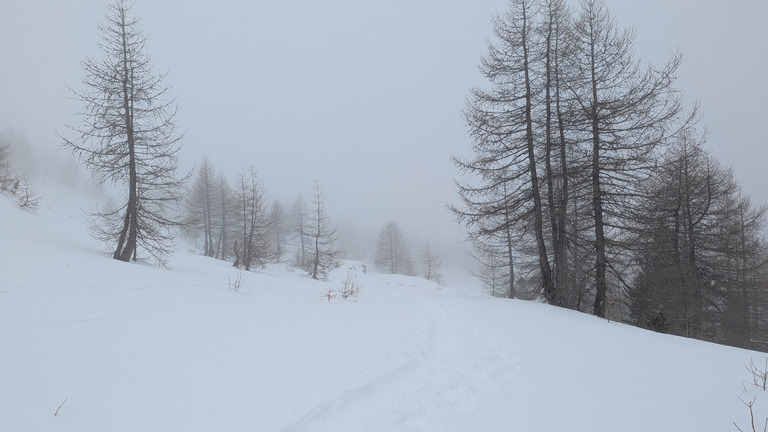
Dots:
{"x": 365, "y": 97}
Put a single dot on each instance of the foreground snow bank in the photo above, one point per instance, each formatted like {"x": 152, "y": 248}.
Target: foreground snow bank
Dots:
{"x": 139, "y": 348}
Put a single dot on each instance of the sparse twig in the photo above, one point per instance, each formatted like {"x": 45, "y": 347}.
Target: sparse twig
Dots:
{"x": 329, "y": 294}
{"x": 236, "y": 283}
{"x": 57, "y": 409}
{"x": 350, "y": 288}
{"x": 749, "y": 405}
{"x": 759, "y": 376}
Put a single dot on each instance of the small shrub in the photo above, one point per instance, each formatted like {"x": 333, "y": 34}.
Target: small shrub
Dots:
{"x": 350, "y": 288}
{"x": 236, "y": 283}
{"x": 759, "y": 381}
{"x": 749, "y": 405}
{"x": 759, "y": 376}
{"x": 329, "y": 294}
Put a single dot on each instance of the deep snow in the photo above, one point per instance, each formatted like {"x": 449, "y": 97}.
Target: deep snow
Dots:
{"x": 135, "y": 347}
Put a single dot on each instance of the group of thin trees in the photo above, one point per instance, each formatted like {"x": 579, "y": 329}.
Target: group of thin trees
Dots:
{"x": 241, "y": 224}
{"x": 13, "y": 184}
{"x": 394, "y": 257}
{"x": 588, "y": 185}
{"x": 701, "y": 262}
{"x": 127, "y": 135}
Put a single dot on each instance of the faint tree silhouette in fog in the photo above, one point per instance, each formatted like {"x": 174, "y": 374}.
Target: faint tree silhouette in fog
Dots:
{"x": 323, "y": 256}
{"x": 392, "y": 255}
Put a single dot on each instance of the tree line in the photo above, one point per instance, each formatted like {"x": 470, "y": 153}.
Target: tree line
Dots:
{"x": 589, "y": 185}
{"x": 127, "y": 135}
{"x": 241, "y": 224}
{"x": 393, "y": 256}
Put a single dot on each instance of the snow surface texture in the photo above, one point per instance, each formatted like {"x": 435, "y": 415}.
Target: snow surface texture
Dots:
{"x": 133, "y": 347}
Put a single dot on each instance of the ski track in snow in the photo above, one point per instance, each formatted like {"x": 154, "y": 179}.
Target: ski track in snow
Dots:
{"x": 438, "y": 377}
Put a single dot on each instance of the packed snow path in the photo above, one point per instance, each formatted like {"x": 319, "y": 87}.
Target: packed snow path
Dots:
{"x": 446, "y": 366}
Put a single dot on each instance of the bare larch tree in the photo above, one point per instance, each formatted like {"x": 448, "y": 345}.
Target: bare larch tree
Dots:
{"x": 392, "y": 255}
{"x": 324, "y": 256}
{"x": 127, "y": 135}
{"x": 501, "y": 122}
{"x": 300, "y": 229}
{"x": 627, "y": 112}
{"x": 430, "y": 263}
{"x": 200, "y": 203}
{"x": 256, "y": 222}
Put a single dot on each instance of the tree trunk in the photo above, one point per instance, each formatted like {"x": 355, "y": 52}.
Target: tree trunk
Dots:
{"x": 561, "y": 258}
{"x": 316, "y": 263}
{"x": 546, "y": 271}
{"x": 601, "y": 285}
{"x": 126, "y": 250}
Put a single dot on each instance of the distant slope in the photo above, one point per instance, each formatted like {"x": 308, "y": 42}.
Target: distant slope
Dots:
{"x": 139, "y": 348}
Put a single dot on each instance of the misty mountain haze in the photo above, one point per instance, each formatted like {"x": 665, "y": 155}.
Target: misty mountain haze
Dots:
{"x": 301, "y": 118}
{"x": 367, "y": 99}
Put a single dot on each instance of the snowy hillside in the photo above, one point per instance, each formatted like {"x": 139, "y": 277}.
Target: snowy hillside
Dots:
{"x": 130, "y": 347}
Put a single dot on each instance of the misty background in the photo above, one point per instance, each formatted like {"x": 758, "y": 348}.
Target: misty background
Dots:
{"x": 364, "y": 97}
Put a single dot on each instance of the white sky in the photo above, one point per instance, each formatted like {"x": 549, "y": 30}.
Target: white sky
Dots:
{"x": 364, "y": 96}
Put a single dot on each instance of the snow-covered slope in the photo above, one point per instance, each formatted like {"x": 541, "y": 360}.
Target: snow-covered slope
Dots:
{"x": 131, "y": 347}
